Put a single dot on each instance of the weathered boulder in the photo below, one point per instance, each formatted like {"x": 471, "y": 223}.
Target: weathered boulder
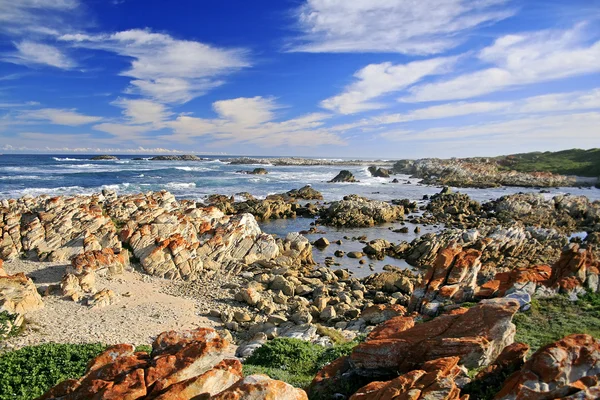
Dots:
{"x": 434, "y": 380}
{"x": 356, "y": 211}
{"x": 566, "y": 369}
{"x": 18, "y": 294}
{"x": 344, "y": 176}
{"x": 452, "y": 277}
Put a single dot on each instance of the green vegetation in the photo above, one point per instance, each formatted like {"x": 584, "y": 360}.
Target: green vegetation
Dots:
{"x": 294, "y": 361}
{"x": 549, "y": 320}
{"x": 29, "y": 372}
{"x": 567, "y": 162}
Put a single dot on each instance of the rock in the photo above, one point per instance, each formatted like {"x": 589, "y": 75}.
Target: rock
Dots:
{"x": 566, "y": 369}
{"x": 18, "y": 294}
{"x": 250, "y": 296}
{"x": 103, "y": 158}
{"x": 305, "y": 193}
{"x": 476, "y": 336}
{"x": 452, "y": 277}
{"x": 379, "y": 313}
{"x": 260, "y": 387}
{"x": 434, "y": 380}
{"x": 255, "y": 171}
{"x": 379, "y": 172}
{"x": 511, "y": 359}
{"x": 282, "y": 284}
{"x": 321, "y": 243}
{"x": 480, "y": 173}
{"x": 102, "y": 262}
{"x": 185, "y": 157}
{"x": 344, "y": 176}
{"x": 356, "y": 211}
{"x": 355, "y": 254}
{"x": 103, "y": 298}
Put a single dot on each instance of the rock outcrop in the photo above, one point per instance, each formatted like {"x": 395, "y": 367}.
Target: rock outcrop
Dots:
{"x": 379, "y": 172}
{"x": 356, "y": 211}
{"x": 186, "y": 365}
{"x": 476, "y": 172}
{"x": 104, "y": 158}
{"x": 566, "y": 369}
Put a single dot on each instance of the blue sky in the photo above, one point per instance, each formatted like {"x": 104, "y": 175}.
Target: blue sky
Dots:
{"x": 372, "y": 78}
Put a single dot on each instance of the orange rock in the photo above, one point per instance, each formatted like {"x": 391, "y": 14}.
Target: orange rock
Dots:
{"x": 502, "y": 282}
{"x": 477, "y": 337}
{"x": 474, "y": 337}
{"x": 183, "y": 365}
{"x": 261, "y": 387}
{"x": 222, "y": 376}
{"x": 453, "y": 276}
{"x": 392, "y": 328}
{"x": 434, "y": 380}
{"x": 102, "y": 261}
{"x": 571, "y": 270}
{"x": 566, "y": 369}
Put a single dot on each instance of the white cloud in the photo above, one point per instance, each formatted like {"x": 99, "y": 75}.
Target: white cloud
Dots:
{"x": 560, "y": 131}
{"x": 250, "y": 120}
{"x": 142, "y": 111}
{"x": 42, "y": 17}
{"x": 396, "y": 26}
{"x": 125, "y": 132}
{"x": 555, "y": 102}
{"x": 164, "y": 68}
{"x": 376, "y": 80}
{"x": 246, "y": 111}
{"x": 519, "y": 60}
{"x": 59, "y": 116}
{"x": 31, "y": 53}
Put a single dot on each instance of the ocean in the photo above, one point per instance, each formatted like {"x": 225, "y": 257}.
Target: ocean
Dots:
{"x": 76, "y": 174}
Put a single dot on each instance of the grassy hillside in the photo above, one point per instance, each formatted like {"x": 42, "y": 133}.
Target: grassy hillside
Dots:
{"x": 567, "y": 162}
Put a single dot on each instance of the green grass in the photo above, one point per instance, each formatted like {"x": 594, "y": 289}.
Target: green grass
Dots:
{"x": 294, "y": 361}
{"x": 29, "y": 372}
{"x": 567, "y": 162}
{"x": 549, "y": 320}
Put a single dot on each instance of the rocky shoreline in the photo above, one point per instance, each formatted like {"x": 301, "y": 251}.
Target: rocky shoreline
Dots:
{"x": 231, "y": 282}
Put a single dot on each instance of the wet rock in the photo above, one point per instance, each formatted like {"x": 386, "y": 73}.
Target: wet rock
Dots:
{"x": 355, "y": 254}
{"x": 321, "y": 243}
{"x": 344, "y": 176}
{"x": 379, "y": 172}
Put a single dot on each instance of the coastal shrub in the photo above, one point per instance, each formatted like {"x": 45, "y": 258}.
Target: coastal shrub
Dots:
{"x": 29, "y": 372}
{"x": 294, "y": 361}
{"x": 293, "y": 355}
{"x": 551, "y": 319}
